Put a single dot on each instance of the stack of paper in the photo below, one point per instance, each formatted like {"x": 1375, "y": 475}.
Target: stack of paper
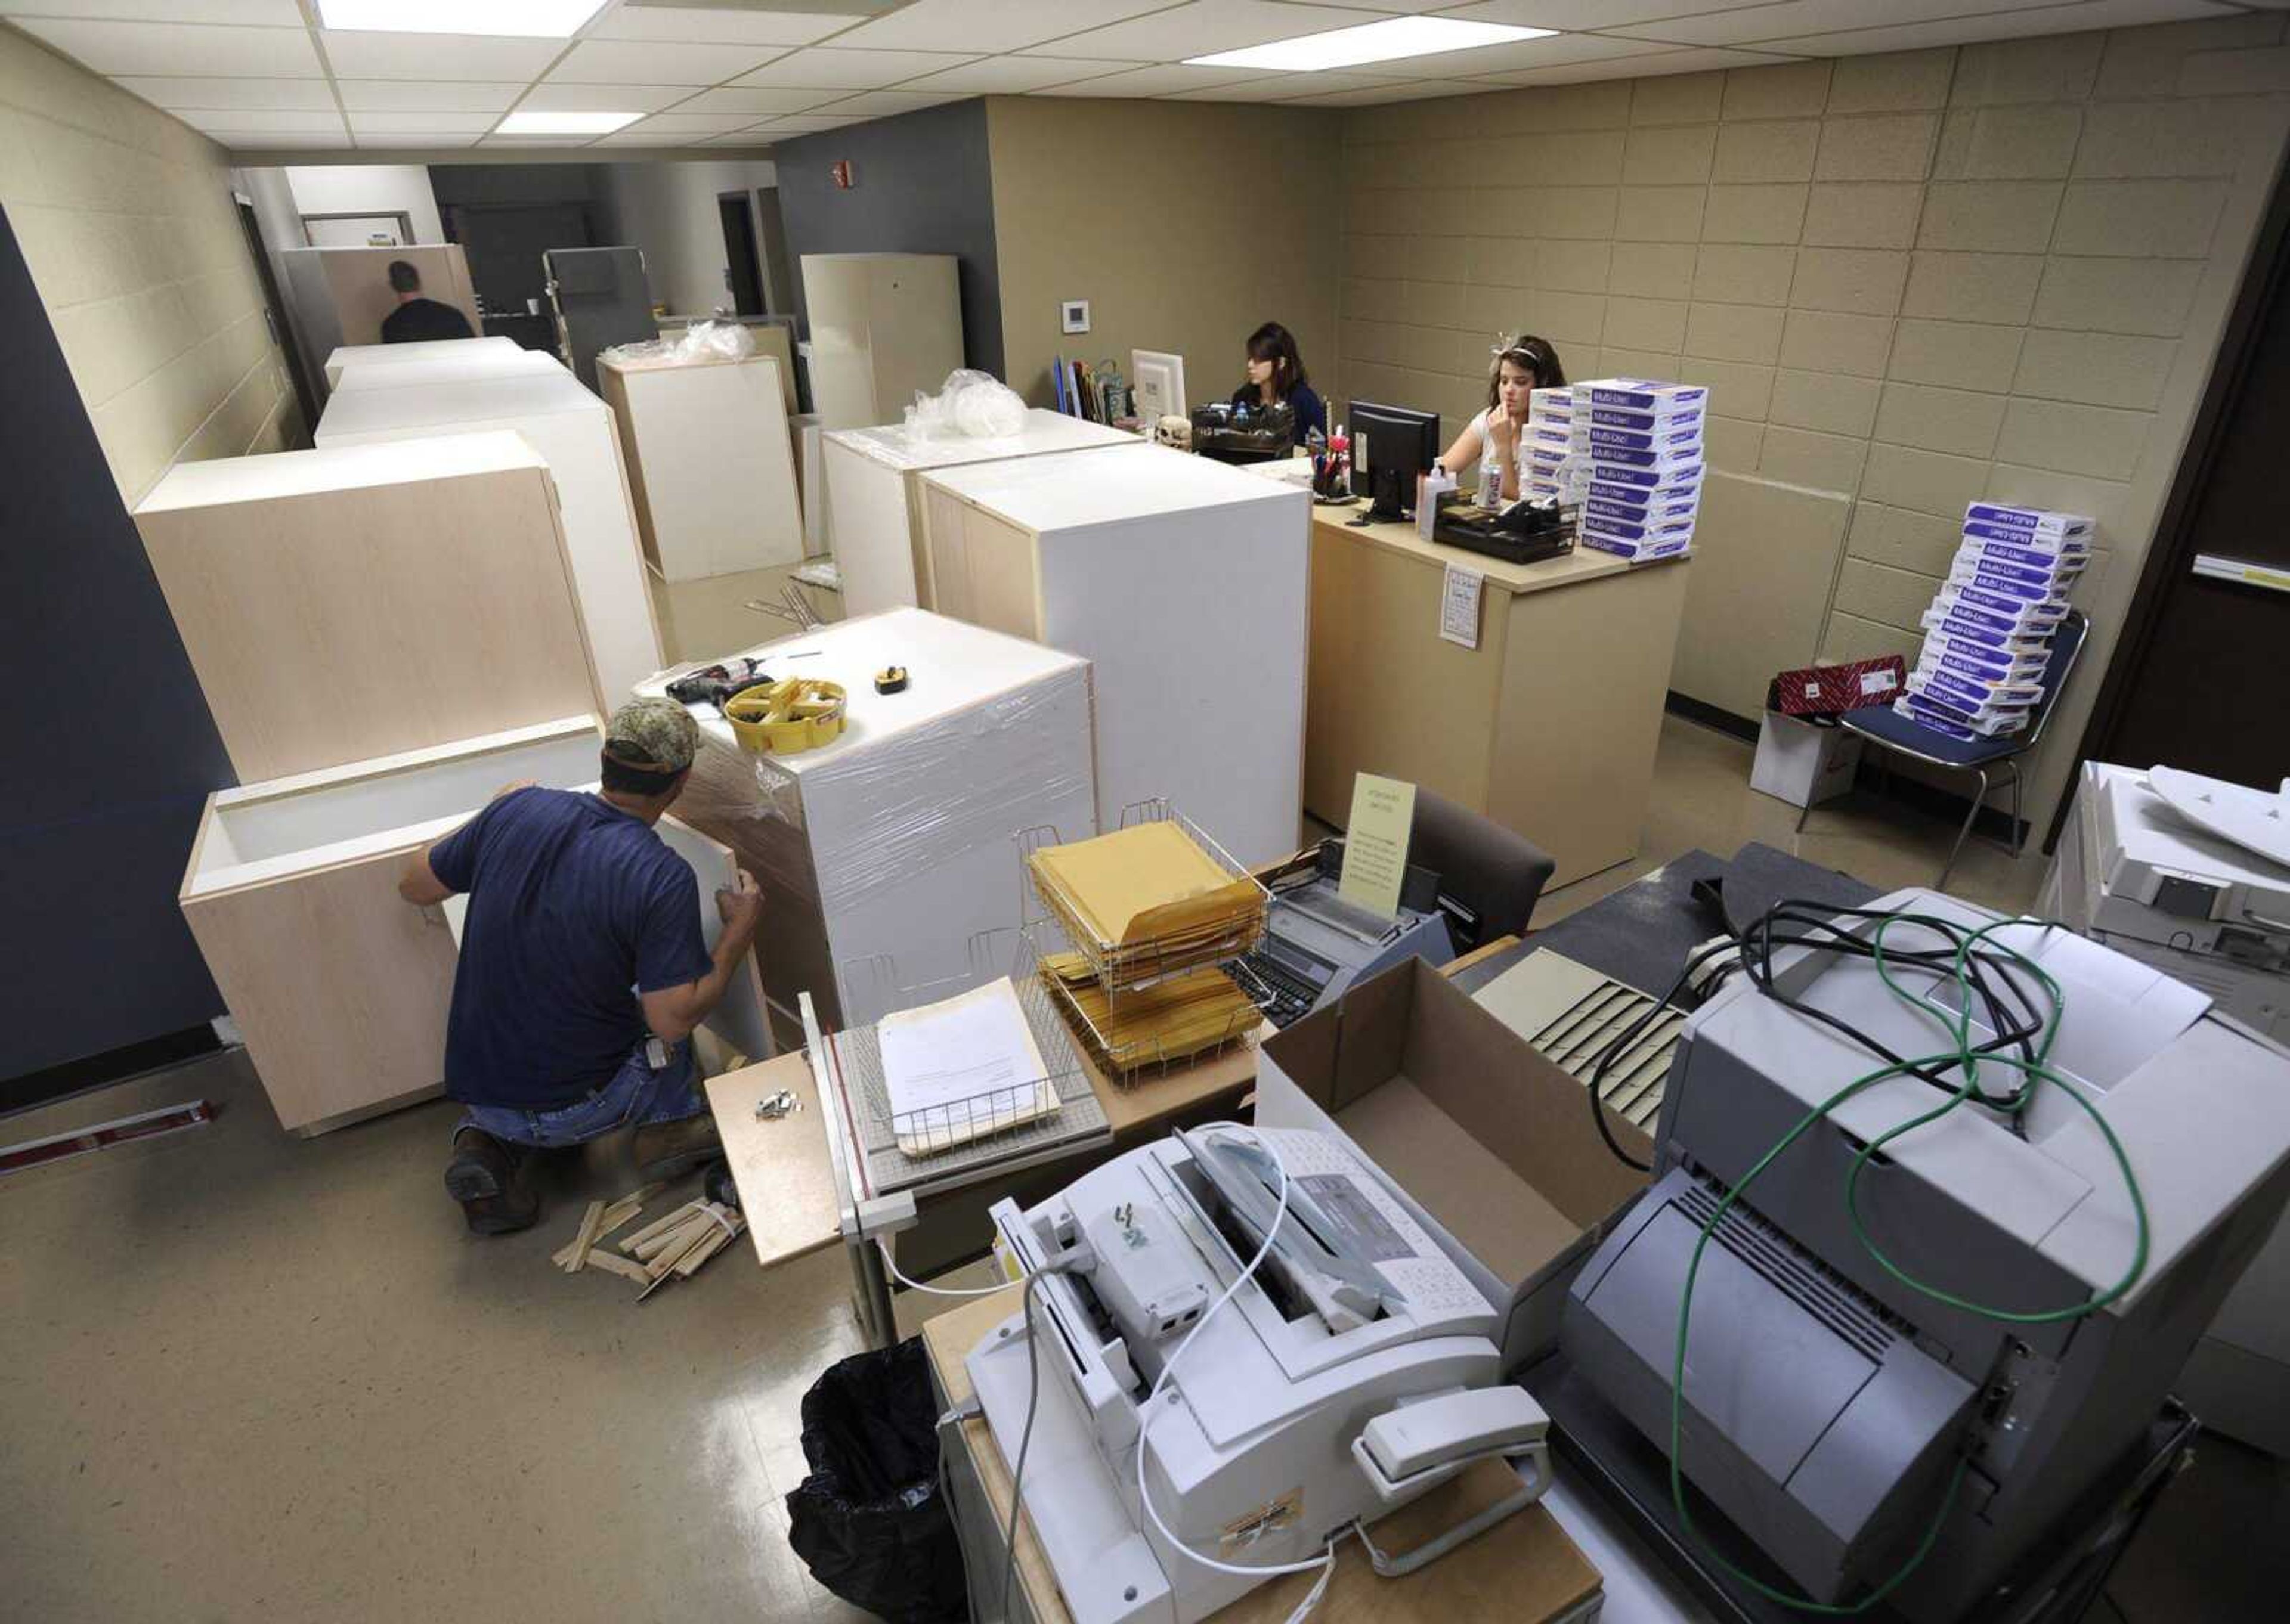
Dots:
{"x": 1629, "y": 450}
{"x": 1147, "y": 901}
{"x": 1988, "y": 631}
{"x": 1188, "y": 1014}
{"x": 961, "y": 1069}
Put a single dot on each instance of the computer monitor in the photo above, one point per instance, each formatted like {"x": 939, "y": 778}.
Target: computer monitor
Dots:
{"x": 1158, "y": 379}
{"x": 1392, "y": 447}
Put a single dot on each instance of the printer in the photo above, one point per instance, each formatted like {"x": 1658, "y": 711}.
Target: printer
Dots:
{"x": 1316, "y": 943}
{"x": 1353, "y": 1372}
{"x": 1826, "y": 1404}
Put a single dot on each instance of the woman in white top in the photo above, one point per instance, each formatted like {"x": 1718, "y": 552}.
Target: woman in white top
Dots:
{"x": 1521, "y": 365}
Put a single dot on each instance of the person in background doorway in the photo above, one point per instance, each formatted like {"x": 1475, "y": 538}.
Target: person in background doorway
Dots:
{"x": 1520, "y": 366}
{"x": 417, "y": 319}
{"x": 583, "y": 971}
{"x": 1275, "y": 373}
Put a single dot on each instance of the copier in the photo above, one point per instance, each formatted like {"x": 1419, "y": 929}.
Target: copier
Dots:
{"x": 1353, "y": 1372}
{"x": 1834, "y": 1417}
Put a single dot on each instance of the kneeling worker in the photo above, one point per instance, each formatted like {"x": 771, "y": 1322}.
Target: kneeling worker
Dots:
{"x": 574, "y": 900}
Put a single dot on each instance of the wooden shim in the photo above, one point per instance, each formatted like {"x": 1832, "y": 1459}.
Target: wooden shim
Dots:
{"x": 585, "y": 1237}
{"x": 710, "y": 1245}
{"x": 657, "y": 1227}
{"x": 628, "y": 1269}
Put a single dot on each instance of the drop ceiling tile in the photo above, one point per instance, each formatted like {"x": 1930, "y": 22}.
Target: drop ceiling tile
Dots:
{"x": 1008, "y": 25}
{"x": 804, "y": 124}
{"x": 242, "y": 122}
{"x": 1383, "y": 90}
{"x": 425, "y": 141}
{"x": 1205, "y": 26}
{"x": 2006, "y": 25}
{"x": 360, "y": 55}
{"x": 422, "y": 124}
{"x": 617, "y": 61}
{"x": 827, "y": 68}
{"x": 878, "y": 103}
{"x": 412, "y": 96}
{"x": 263, "y": 13}
{"x": 555, "y": 97}
{"x": 1280, "y": 87}
{"x": 691, "y": 124}
{"x": 1011, "y": 76}
{"x": 753, "y": 140}
{"x": 691, "y": 24}
{"x": 537, "y": 141}
{"x": 309, "y": 95}
{"x": 1592, "y": 14}
{"x": 1170, "y": 79}
{"x": 167, "y": 49}
{"x": 1524, "y": 56}
{"x": 1749, "y": 25}
{"x": 638, "y": 137}
{"x": 249, "y": 141}
{"x": 754, "y": 101}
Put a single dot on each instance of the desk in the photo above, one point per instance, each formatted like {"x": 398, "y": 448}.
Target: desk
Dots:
{"x": 1548, "y": 727}
{"x": 1524, "y": 1571}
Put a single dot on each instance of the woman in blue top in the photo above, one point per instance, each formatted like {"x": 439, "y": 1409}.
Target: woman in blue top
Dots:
{"x": 1275, "y": 373}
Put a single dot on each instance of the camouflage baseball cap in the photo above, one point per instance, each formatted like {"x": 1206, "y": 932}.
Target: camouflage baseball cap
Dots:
{"x": 652, "y": 733}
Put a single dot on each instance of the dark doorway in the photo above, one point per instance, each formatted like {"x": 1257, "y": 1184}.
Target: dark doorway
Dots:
{"x": 504, "y": 242}
{"x": 778, "y": 279}
{"x": 743, "y": 272}
{"x": 2196, "y": 682}
{"x": 274, "y": 309}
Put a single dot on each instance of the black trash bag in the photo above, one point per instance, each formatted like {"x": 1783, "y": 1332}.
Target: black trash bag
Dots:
{"x": 871, "y": 1522}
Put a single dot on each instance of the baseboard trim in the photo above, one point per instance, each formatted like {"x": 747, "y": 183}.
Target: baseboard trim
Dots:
{"x": 54, "y": 1082}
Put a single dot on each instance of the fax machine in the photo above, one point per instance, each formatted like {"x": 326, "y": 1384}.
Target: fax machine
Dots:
{"x": 1352, "y": 1373}
{"x": 1827, "y": 1405}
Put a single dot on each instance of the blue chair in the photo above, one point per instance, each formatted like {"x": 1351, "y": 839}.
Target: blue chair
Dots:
{"x": 1888, "y": 730}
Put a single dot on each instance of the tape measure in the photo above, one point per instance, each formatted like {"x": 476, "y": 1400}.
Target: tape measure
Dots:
{"x": 891, "y": 679}
{"x": 785, "y": 718}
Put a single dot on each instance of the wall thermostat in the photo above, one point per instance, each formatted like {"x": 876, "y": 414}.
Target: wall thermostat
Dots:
{"x": 1073, "y": 314}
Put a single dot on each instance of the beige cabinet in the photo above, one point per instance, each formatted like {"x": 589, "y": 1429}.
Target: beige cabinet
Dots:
{"x": 362, "y": 600}
{"x": 711, "y": 467}
{"x": 884, "y": 327}
{"x": 340, "y": 988}
{"x": 342, "y": 295}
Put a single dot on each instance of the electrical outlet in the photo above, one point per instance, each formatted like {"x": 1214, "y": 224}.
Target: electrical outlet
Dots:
{"x": 1073, "y": 314}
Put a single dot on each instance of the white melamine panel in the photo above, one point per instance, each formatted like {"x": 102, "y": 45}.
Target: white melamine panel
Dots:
{"x": 431, "y": 371}
{"x": 884, "y": 328}
{"x": 711, "y": 463}
{"x": 574, "y": 434}
{"x": 344, "y": 356}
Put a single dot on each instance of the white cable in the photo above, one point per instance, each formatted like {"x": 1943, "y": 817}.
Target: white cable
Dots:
{"x": 892, "y": 1264}
{"x": 1325, "y": 1562}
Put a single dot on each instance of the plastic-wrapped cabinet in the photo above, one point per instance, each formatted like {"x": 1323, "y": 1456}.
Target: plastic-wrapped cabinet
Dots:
{"x": 894, "y": 841}
{"x": 1184, "y": 583}
{"x": 475, "y": 353}
{"x": 874, "y": 479}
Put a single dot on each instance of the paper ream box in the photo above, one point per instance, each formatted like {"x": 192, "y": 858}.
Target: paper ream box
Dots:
{"x": 1922, "y": 709}
{"x": 1670, "y": 493}
{"x": 1484, "y": 1141}
{"x": 1643, "y": 395}
{"x": 1659, "y": 459}
{"x": 1977, "y": 698}
{"x": 2039, "y": 520}
{"x": 1645, "y": 422}
{"x": 2040, "y": 609}
{"x": 1828, "y": 691}
{"x": 2035, "y": 619}
{"x": 1623, "y": 530}
{"x": 1606, "y": 508}
{"x": 2003, "y": 577}
{"x": 2010, "y": 639}
{"x": 2061, "y": 566}
{"x": 1947, "y": 654}
{"x": 1637, "y": 552}
{"x": 1668, "y": 476}
{"x": 1905, "y": 706}
{"x": 2035, "y": 540}
{"x": 1558, "y": 398}
{"x": 1597, "y": 439}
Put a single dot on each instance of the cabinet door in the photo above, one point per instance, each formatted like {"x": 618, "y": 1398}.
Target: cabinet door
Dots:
{"x": 982, "y": 568}
{"x": 339, "y": 987}
{"x": 740, "y": 1020}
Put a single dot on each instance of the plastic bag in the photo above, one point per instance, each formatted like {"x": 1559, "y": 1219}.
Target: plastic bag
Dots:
{"x": 972, "y": 405}
{"x": 698, "y": 342}
{"x": 870, "y": 1522}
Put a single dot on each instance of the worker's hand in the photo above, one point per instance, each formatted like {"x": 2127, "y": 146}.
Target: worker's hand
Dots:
{"x": 742, "y": 905}
{"x": 523, "y": 783}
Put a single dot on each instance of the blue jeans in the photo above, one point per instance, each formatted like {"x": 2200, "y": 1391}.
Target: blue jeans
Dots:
{"x": 637, "y": 1093}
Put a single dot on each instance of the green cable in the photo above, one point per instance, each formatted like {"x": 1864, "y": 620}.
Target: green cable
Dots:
{"x": 2034, "y": 1071}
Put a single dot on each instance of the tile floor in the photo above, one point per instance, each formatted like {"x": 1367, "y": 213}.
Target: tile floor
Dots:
{"x": 245, "y": 1377}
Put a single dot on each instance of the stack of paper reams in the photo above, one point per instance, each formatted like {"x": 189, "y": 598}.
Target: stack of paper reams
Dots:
{"x": 1627, "y": 452}
{"x": 1988, "y": 635}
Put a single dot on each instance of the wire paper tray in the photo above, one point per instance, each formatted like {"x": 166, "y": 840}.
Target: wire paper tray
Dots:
{"x": 954, "y": 1144}
{"x": 1131, "y": 965}
{"x": 1124, "y": 1063}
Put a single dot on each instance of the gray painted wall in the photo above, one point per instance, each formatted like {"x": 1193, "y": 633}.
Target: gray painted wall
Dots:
{"x": 923, "y": 183}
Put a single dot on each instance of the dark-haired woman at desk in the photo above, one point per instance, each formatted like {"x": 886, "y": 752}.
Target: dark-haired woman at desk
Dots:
{"x": 1275, "y": 374}
{"x": 1521, "y": 365}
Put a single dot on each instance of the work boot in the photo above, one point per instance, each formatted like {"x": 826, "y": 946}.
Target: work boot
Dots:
{"x": 670, "y": 1149}
{"x": 483, "y": 1177}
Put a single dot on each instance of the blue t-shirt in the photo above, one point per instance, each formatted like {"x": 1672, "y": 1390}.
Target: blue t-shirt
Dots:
{"x": 573, "y": 902}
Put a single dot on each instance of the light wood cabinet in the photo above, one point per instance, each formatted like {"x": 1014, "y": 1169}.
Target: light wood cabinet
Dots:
{"x": 342, "y": 295}
{"x": 711, "y": 464}
{"x": 884, "y": 327}
{"x": 339, "y": 989}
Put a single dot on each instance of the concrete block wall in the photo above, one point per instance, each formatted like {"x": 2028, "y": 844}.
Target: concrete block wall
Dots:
{"x": 1910, "y": 279}
{"x": 126, "y": 220}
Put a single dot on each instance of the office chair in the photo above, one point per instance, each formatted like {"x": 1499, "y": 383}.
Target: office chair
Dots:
{"x": 1888, "y": 730}
{"x": 1487, "y": 867}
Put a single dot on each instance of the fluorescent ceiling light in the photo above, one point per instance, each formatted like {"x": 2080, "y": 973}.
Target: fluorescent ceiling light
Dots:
{"x": 520, "y": 18}
{"x": 1372, "y": 42}
{"x": 564, "y": 123}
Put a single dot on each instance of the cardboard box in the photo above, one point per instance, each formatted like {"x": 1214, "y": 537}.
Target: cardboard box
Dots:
{"x": 1489, "y": 1146}
{"x": 1803, "y": 763}
{"x": 1825, "y": 690}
